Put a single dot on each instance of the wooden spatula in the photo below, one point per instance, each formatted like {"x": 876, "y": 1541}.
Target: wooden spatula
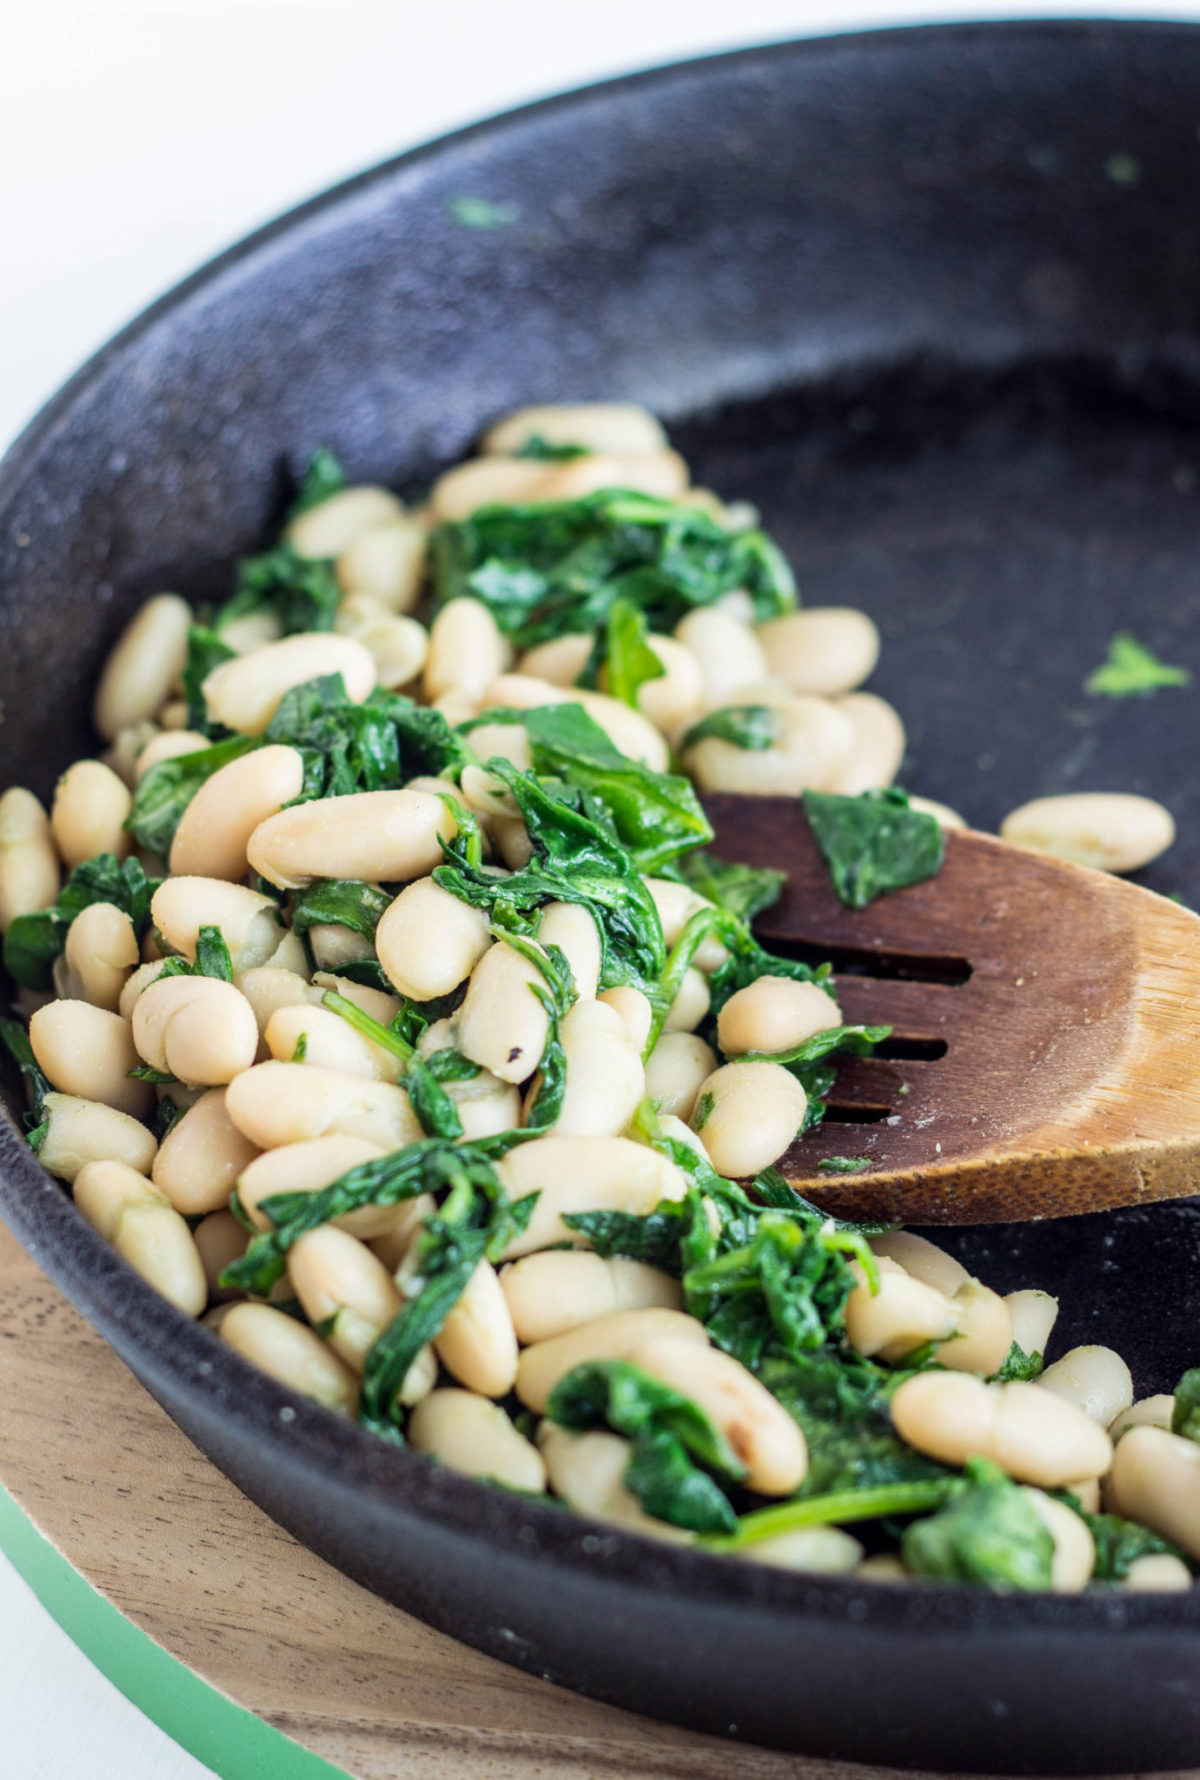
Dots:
{"x": 1046, "y": 1049}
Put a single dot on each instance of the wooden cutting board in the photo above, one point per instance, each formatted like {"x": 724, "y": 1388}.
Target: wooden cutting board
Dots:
{"x": 164, "y": 1537}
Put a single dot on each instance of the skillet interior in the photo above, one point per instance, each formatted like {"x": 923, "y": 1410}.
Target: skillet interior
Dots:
{"x": 932, "y": 299}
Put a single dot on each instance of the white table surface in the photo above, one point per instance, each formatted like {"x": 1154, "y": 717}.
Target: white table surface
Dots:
{"x": 137, "y": 138}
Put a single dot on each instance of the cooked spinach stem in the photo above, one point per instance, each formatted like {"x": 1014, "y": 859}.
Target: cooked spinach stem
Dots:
{"x": 834, "y": 1509}
{"x": 386, "y": 1037}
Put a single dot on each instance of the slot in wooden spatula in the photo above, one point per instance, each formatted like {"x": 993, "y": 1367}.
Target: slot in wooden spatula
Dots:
{"x": 1045, "y": 1057}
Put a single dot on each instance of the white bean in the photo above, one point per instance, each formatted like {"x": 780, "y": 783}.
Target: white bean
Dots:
{"x": 821, "y": 1551}
{"x": 588, "y": 1472}
{"x": 942, "y": 814}
{"x": 676, "y": 904}
{"x": 691, "y": 1003}
{"x": 1074, "y": 1548}
{"x": 822, "y": 650}
{"x": 88, "y": 813}
{"x": 1160, "y": 1572}
{"x": 308, "y": 1167}
{"x": 249, "y": 922}
{"x": 337, "y": 522}
{"x": 220, "y": 1240}
{"x": 815, "y": 740}
{"x": 387, "y": 562}
{"x": 1150, "y": 1412}
{"x": 398, "y": 646}
{"x": 100, "y": 953}
{"x": 1096, "y": 1379}
{"x": 197, "y": 1028}
{"x": 345, "y": 1289}
{"x": 879, "y": 744}
{"x": 1108, "y": 830}
{"x": 267, "y": 989}
{"x": 88, "y": 1052}
{"x": 201, "y": 1157}
{"x": 126, "y": 749}
{"x": 132, "y": 1214}
{"x": 984, "y": 1335}
{"x": 501, "y": 1024}
{"x": 572, "y": 928}
{"x": 729, "y": 654}
{"x": 618, "y": 1336}
{"x": 748, "y": 1114}
{"x": 466, "y": 650}
{"x": 28, "y": 857}
{"x": 922, "y": 1259}
{"x": 1156, "y": 1481}
{"x": 560, "y": 662}
{"x": 245, "y": 693}
{"x": 1034, "y": 1315}
{"x": 216, "y": 826}
{"x": 168, "y": 744}
{"x": 571, "y": 1174}
{"x": 478, "y": 1344}
{"x": 430, "y": 941}
{"x": 637, "y": 1013}
{"x": 1031, "y": 1434}
{"x": 276, "y": 1103}
{"x": 144, "y": 665}
{"x": 758, "y": 1428}
{"x": 605, "y": 1078}
{"x": 292, "y": 1354}
{"x": 625, "y": 728}
{"x": 472, "y": 1435}
{"x": 326, "y": 1041}
{"x": 676, "y": 1070}
{"x": 253, "y": 631}
{"x": 774, "y": 1014}
{"x": 489, "y": 481}
{"x": 903, "y": 1314}
{"x": 82, "y": 1131}
{"x": 375, "y": 1002}
{"x": 556, "y": 1290}
{"x": 619, "y": 427}
{"x": 376, "y": 836}
{"x": 333, "y": 945}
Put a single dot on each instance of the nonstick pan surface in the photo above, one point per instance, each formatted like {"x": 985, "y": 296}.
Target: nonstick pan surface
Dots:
{"x": 931, "y": 299}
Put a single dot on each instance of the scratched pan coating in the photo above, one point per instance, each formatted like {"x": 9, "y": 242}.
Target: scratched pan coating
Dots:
{"x": 932, "y": 300}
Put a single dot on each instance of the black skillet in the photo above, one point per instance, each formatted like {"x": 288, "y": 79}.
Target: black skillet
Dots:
{"x": 932, "y": 300}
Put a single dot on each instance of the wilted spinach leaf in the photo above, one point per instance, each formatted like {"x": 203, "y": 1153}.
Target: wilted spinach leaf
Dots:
{"x": 1020, "y": 1367}
{"x": 544, "y": 570}
{"x": 675, "y": 1446}
{"x": 375, "y": 745}
{"x": 990, "y": 1533}
{"x": 1185, "y": 1417}
{"x": 33, "y": 943}
{"x": 324, "y": 477}
{"x": 629, "y": 659}
{"x": 1119, "y": 1543}
{"x": 751, "y": 727}
{"x": 745, "y": 890}
{"x": 165, "y": 791}
{"x": 339, "y": 902}
{"x": 873, "y": 843}
{"x": 205, "y": 651}
{"x": 16, "y": 1041}
{"x": 543, "y": 452}
{"x": 299, "y": 592}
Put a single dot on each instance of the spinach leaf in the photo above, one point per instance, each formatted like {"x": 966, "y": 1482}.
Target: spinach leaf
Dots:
{"x": 164, "y": 793}
{"x": 324, "y": 477}
{"x": 340, "y": 902}
{"x": 1119, "y": 1543}
{"x": 990, "y": 1533}
{"x": 547, "y": 569}
{"x": 653, "y": 815}
{"x": 1133, "y": 671}
{"x": 212, "y": 955}
{"x": 575, "y": 859}
{"x": 675, "y": 1446}
{"x": 373, "y": 746}
{"x": 885, "y": 1501}
{"x": 33, "y": 943}
{"x": 654, "y": 1238}
{"x": 436, "y": 1112}
{"x": 873, "y": 843}
{"x": 857, "y": 1041}
{"x": 628, "y": 656}
{"x": 1185, "y": 1417}
{"x": 16, "y": 1041}
{"x": 475, "y": 1221}
{"x": 205, "y": 651}
{"x": 752, "y": 727}
{"x": 840, "y": 1400}
{"x": 301, "y": 593}
{"x": 744, "y": 890}
{"x": 1020, "y": 1366}
{"x": 541, "y": 451}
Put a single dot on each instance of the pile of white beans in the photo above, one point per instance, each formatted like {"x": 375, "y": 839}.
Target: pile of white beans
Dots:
{"x": 262, "y": 1122}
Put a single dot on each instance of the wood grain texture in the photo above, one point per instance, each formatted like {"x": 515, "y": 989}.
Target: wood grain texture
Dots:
{"x": 1070, "y": 1080}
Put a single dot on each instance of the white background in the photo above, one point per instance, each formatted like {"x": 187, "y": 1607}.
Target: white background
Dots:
{"x": 137, "y": 138}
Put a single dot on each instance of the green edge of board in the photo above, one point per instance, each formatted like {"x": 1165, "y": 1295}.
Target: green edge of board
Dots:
{"x": 225, "y": 1737}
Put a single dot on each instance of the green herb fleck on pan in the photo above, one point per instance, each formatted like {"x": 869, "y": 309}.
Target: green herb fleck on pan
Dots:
{"x": 843, "y": 1164}
{"x": 1133, "y": 671}
{"x": 873, "y": 843}
{"x": 483, "y": 213}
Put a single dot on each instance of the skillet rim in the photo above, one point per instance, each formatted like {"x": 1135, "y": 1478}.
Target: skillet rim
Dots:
{"x": 338, "y": 1456}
